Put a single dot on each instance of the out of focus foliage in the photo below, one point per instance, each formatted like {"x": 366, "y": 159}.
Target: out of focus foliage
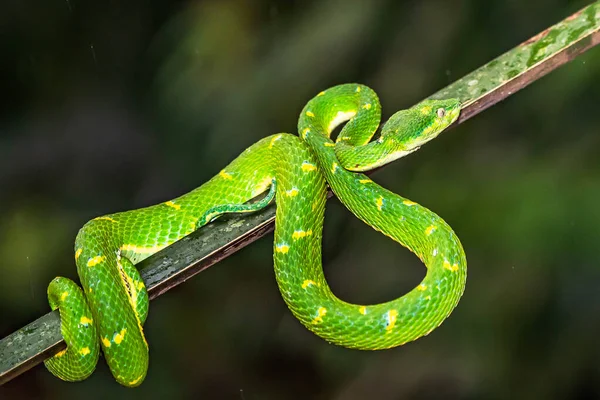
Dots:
{"x": 115, "y": 105}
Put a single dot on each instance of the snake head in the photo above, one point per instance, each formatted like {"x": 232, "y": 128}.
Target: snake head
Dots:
{"x": 419, "y": 124}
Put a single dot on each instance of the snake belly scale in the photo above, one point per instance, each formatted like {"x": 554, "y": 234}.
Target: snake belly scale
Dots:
{"x": 111, "y": 308}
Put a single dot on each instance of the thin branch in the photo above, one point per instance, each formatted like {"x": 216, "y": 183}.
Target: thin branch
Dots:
{"x": 478, "y": 90}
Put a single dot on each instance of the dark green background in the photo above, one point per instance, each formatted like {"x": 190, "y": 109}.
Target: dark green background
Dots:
{"x": 109, "y": 106}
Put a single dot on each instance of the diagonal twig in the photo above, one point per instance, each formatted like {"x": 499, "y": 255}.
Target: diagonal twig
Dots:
{"x": 477, "y": 91}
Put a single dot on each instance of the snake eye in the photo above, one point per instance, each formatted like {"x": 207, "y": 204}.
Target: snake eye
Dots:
{"x": 441, "y": 112}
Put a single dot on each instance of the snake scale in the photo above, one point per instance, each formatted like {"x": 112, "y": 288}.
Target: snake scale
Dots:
{"x": 111, "y": 307}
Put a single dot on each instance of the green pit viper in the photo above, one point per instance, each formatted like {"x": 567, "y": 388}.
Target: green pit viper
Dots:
{"x": 294, "y": 170}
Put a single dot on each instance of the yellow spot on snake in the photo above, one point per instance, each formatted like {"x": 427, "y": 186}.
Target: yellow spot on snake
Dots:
{"x": 379, "y": 203}
{"x": 301, "y": 234}
{"x": 61, "y": 353}
{"x": 321, "y": 93}
{"x": 422, "y": 287}
{"x": 275, "y": 138}
{"x": 391, "y": 317}
{"x": 225, "y": 175}
{"x": 328, "y": 144}
{"x": 363, "y": 310}
{"x": 409, "y": 203}
{"x": 78, "y": 253}
{"x": 305, "y": 132}
{"x": 357, "y": 89}
{"x": 63, "y": 296}
{"x": 320, "y": 314}
{"x": 104, "y": 219}
{"x": 105, "y": 342}
{"x": 367, "y": 106}
{"x": 84, "y": 351}
{"x": 133, "y": 382}
{"x": 365, "y": 181}
{"x": 307, "y": 167}
{"x": 118, "y": 338}
{"x": 426, "y": 110}
{"x": 451, "y": 268}
{"x": 85, "y": 320}
{"x": 139, "y": 285}
{"x": 334, "y": 167}
{"x": 282, "y": 248}
{"x": 293, "y": 192}
{"x": 307, "y": 283}
{"x": 95, "y": 260}
{"x": 430, "y": 229}
{"x": 172, "y": 205}
{"x": 310, "y": 114}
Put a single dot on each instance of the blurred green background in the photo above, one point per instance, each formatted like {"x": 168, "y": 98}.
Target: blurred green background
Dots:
{"x": 110, "y": 106}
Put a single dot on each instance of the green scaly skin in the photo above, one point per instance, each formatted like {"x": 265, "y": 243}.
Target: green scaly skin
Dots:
{"x": 294, "y": 171}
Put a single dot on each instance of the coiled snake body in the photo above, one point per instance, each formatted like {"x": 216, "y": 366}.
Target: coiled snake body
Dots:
{"x": 111, "y": 308}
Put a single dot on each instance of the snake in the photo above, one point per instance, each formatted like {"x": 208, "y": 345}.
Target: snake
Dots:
{"x": 109, "y": 309}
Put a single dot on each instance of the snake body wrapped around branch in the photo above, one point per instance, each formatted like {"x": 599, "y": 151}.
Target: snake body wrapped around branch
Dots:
{"x": 110, "y": 310}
